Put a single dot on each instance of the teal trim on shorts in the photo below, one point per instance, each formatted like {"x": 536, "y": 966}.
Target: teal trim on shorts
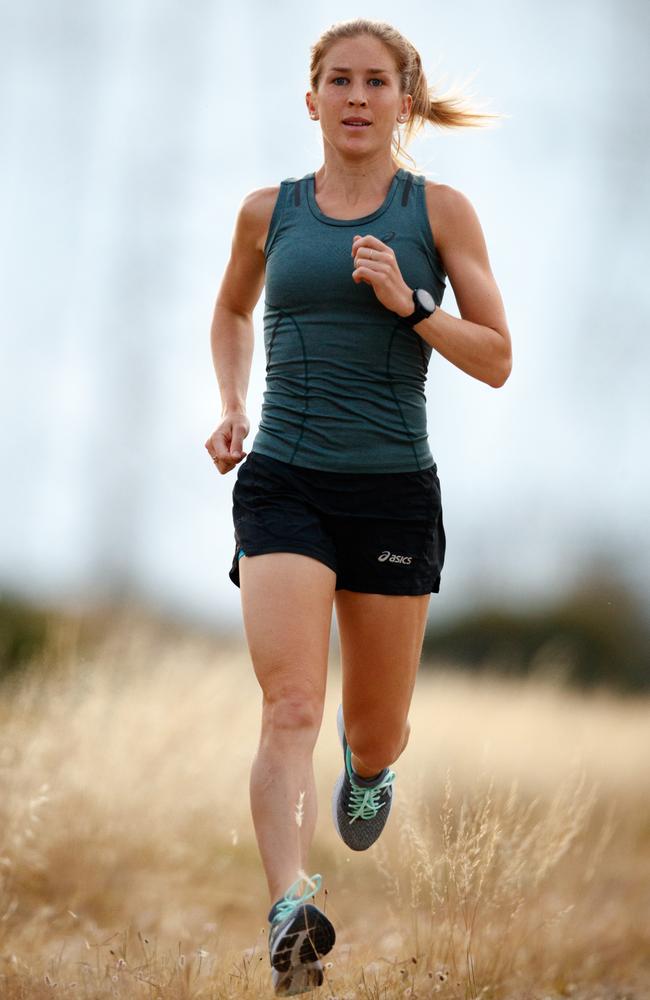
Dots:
{"x": 240, "y": 553}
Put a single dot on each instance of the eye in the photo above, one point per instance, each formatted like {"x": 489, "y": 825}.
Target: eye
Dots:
{"x": 337, "y": 78}
{"x": 377, "y": 80}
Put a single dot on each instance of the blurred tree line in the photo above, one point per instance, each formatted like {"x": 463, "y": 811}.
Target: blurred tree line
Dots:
{"x": 596, "y": 636}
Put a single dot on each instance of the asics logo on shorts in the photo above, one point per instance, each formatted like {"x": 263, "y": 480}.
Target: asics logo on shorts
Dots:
{"x": 387, "y": 556}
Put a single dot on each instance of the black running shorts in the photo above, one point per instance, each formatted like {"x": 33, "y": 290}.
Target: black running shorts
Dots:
{"x": 380, "y": 532}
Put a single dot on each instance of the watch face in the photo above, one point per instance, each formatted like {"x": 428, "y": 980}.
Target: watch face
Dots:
{"x": 426, "y": 299}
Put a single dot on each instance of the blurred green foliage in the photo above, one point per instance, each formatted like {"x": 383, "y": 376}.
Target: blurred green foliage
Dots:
{"x": 23, "y": 634}
{"x": 596, "y": 636}
{"x": 48, "y": 637}
{"x": 42, "y": 636}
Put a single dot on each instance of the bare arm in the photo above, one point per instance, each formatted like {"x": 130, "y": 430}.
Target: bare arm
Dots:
{"x": 231, "y": 334}
{"x": 479, "y": 343}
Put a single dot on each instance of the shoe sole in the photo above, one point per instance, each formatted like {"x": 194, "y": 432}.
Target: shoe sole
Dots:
{"x": 300, "y": 979}
{"x": 295, "y": 962}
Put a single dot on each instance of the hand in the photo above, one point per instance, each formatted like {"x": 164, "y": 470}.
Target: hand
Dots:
{"x": 225, "y": 443}
{"x": 376, "y": 264}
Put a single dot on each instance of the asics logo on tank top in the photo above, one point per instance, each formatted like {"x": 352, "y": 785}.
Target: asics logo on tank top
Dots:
{"x": 392, "y": 557}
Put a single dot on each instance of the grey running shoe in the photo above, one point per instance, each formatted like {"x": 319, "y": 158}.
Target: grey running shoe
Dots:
{"x": 360, "y": 806}
{"x": 299, "y": 935}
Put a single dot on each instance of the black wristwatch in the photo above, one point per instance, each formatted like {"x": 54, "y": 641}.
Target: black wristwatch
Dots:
{"x": 424, "y": 306}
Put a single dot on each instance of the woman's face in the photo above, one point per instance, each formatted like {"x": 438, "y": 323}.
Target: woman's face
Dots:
{"x": 358, "y": 79}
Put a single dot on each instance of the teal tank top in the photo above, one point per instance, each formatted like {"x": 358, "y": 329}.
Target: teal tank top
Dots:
{"x": 345, "y": 377}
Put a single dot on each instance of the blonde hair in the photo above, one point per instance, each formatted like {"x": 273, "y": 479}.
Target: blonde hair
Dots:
{"x": 450, "y": 109}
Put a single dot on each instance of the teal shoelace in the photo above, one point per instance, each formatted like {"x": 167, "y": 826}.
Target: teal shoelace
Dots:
{"x": 290, "y": 902}
{"x": 364, "y": 802}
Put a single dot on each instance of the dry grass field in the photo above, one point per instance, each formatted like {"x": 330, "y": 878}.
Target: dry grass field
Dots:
{"x": 515, "y": 865}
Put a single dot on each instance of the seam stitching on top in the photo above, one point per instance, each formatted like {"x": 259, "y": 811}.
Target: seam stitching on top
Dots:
{"x": 306, "y": 385}
{"x": 397, "y": 402}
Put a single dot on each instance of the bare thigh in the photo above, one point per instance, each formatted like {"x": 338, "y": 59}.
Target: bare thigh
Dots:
{"x": 381, "y": 643}
{"x": 287, "y": 602}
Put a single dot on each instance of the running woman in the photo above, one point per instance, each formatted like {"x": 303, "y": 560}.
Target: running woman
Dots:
{"x": 337, "y": 504}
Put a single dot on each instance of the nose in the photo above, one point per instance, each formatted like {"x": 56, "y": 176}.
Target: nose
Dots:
{"x": 357, "y": 100}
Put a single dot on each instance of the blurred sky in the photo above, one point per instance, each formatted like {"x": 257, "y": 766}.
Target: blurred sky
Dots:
{"x": 132, "y": 129}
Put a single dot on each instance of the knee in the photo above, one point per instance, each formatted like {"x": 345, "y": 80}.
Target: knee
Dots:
{"x": 292, "y": 714}
{"x": 376, "y": 748}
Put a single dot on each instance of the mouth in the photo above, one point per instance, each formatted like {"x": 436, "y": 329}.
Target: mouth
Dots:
{"x": 355, "y": 122}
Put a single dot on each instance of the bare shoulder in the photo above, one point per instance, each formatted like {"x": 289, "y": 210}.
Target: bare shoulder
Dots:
{"x": 255, "y": 213}
{"x": 452, "y": 216}
{"x": 459, "y": 237}
{"x": 258, "y": 204}
{"x": 243, "y": 280}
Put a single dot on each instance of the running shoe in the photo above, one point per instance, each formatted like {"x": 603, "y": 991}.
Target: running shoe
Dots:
{"x": 360, "y": 806}
{"x": 299, "y": 935}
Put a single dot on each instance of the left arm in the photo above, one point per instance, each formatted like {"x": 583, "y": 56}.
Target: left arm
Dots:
{"x": 479, "y": 343}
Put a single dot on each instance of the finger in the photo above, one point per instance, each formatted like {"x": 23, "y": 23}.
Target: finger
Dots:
{"x": 374, "y": 267}
{"x": 229, "y": 461}
{"x": 215, "y": 460}
{"x": 368, "y": 241}
{"x": 368, "y": 253}
{"x": 376, "y": 263}
{"x": 210, "y": 449}
{"x": 369, "y": 274}
{"x": 371, "y": 255}
{"x": 237, "y": 444}
{"x": 220, "y": 445}
{"x": 225, "y": 464}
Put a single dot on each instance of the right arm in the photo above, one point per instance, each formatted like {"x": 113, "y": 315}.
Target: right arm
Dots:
{"x": 231, "y": 334}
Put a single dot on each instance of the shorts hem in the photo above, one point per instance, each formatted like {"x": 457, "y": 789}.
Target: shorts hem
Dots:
{"x": 390, "y": 591}
{"x": 298, "y": 550}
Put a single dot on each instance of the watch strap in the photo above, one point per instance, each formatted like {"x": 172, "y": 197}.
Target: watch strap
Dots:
{"x": 419, "y": 313}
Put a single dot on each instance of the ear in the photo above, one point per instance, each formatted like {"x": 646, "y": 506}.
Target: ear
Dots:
{"x": 407, "y": 104}
{"x": 311, "y": 106}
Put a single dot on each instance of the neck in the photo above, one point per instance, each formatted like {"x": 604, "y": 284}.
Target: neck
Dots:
{"x": 355, "y": 180}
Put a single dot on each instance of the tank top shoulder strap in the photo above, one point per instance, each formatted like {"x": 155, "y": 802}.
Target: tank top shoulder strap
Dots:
{"x": 290, "y": 196}
{"x": 407, "y": 189}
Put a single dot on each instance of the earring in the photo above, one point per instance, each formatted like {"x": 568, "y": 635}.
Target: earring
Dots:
{"x": 312, "y": 114}
{"x": 402, "y": 118}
